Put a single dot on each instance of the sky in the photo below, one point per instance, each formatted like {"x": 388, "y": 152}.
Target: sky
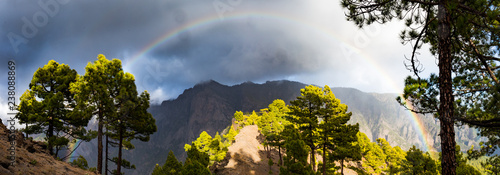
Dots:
{"x": 172, "y": 45}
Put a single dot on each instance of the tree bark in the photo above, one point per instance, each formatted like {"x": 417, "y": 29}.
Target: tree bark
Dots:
{"x": 119, "y": 163}
{"x": 313, "y": 157}
{"x": 99, "y": 142}
{"x": 50, "y": 133}
{"x": 106, "y": 157}
{"x": 279, "y": 151}
{"x": 325, "y": 139}
{"x": 342, "y": 166}
{"x": 445, "y": 111}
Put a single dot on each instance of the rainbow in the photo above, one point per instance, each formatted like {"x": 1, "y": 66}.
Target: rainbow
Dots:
{"x": 420, "y": 127}
{"x": 214, "y": 19}
{"x": 71, "y": 147}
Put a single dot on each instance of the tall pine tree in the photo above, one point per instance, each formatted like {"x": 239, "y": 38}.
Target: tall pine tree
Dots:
{"x": 132, "y": 120}
{"x": 304, "y": 113}
{"x": 95, "y": 92}
{"x": 335, "y": 133}
{"x": 465, "y": 36}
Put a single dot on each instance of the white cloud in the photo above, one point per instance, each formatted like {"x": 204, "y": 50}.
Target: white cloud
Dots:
{"x": 157, "y": 96}
{"x": 4, "y": 110}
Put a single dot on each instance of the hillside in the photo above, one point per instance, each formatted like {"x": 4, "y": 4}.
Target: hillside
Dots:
{"x": 31, "y": 158}
{"x": 210, "y": 107}
{"x": 246, "y": 156}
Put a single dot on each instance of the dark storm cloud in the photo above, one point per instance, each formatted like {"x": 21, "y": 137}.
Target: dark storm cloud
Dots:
{"x": 232, "y": 50}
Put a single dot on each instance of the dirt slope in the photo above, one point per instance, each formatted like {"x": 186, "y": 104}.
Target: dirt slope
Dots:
{"x": 31, "y": 158}
{"x": 247, "y": 155}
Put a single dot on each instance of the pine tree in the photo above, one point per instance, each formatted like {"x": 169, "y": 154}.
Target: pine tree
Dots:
{"x": 171, "y": 166}
{"x": 304, "y": 113}
{"x": 202, "y": 143}
{"x": 231, "y": 134}
{"x": 335, "y": 134}
{"x": 46, "y": 107}
{"x": 374, "y": 156}
{"x": 464, "y": 35}
{"x": 463, "y": 167}
{"x": 81, "y": 162}
{"x": 217, "y": 149}
{"x": 132, "y": 120}
{"x": 295, "y": 161}
{"x": 345, "y": 148}
{"x": 419, "y": 163}
{"x": 394, "y": 156}
{"x": 95, "y": 94}
{"x": 196, "y": 162}
{"x": 211, "y": 146}
{"x": 492, "y": 165}
{"x": 279, "y": 108}
{"x": 252, "y": 119}
{"x": 240, "y": 118}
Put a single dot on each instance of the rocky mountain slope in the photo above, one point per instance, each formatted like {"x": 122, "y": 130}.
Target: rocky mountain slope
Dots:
{"x": 210, "y": 107}
{"x": 31, "y": 157}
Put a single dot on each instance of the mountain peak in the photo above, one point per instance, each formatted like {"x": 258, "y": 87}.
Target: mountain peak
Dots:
{"x": 208, "y": 83}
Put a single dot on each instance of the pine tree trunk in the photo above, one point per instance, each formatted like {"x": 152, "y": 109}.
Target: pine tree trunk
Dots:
{"x": 27, "y": 132}
{"x": 324, "y": 158}
{"x": 119, "y": 163}
{"x": 313, "y": 158}
{"x": 445, "y": 111}
{"x": 57, "y": 151}
{"x": 270, "y": 151}
{"x": 50, "y": 133}
{"x": 99, "y": 143}
{"x": 342, "y": 166}
{"x": 279, "y": 151}
{"x": 106, "y": 157}
{"x": 325, "y": 139}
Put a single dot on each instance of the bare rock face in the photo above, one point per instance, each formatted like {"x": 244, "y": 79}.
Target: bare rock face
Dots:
{"x": 31, "y": 157}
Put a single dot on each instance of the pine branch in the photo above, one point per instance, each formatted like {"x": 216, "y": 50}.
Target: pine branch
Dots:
{"x": 491, "y": 123}
{"x": 483, "y": 61}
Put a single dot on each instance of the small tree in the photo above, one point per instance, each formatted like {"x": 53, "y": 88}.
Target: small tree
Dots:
{"x": 345, "y": 148}
{"x": 171, "y": 166}
{"x": 374, "y": 156}
{"x": 231, "y": 134}
{"x": 81, "y": 162}
{"x": 419, "y": 163}
{"x": 394, "y": 156}
{"x": 196, "y": 162}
